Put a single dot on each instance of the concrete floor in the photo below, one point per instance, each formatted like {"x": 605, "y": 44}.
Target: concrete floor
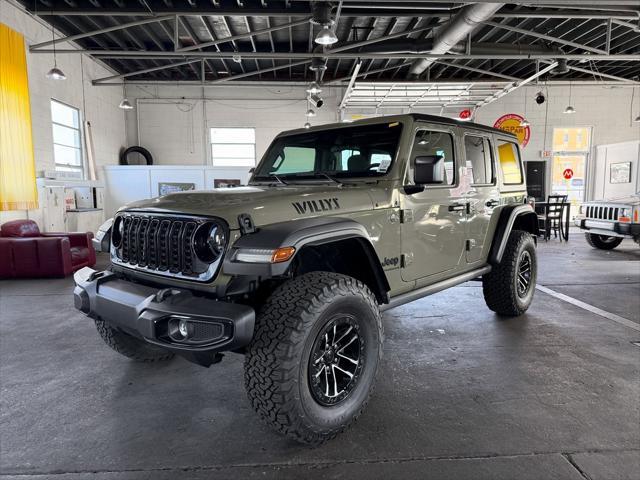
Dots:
{"x": 554, "y": 394}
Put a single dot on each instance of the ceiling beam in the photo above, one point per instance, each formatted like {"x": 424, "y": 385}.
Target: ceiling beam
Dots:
{"x": 298, "y": 9}
{"x": 99, "y": 31}
{"x": 244, "y": 35}
{"x": 542, "y": 36}
{"x": 146, "y": 70}
{"x": 330, "y": 54}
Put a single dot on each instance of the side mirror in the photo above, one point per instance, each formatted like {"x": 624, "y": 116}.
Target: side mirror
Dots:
{"x": 251, "y": 170}
{"x": 428, "y": 169}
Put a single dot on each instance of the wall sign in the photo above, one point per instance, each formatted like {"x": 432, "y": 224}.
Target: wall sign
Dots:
{"x": 620, "y": 172}
{"x": 511, "y": 122}
{"x": 567, "y": 174}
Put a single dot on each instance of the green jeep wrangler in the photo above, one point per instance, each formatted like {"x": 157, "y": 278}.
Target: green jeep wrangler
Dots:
{"x": 338, "y": 223}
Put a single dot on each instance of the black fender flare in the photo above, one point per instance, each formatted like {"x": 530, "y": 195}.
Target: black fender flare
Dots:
{"x": 526, "y": 219}
{"x": 299, "y": 234}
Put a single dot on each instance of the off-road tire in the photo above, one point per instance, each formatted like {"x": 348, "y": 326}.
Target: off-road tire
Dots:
{"x": 129, "y": 346}
{"x": 500, "y": 286}
{"x": 276, "y": 368}
{"x": 602, "y": 241}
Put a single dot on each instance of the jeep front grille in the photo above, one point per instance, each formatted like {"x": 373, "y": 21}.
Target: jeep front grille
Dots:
{"x": 602, "y": 212}
{"x": 161, "y": 244}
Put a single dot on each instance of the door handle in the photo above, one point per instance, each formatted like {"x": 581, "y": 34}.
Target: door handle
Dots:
{"x": 492, "y": 203}
{"x": 457, "y": 207}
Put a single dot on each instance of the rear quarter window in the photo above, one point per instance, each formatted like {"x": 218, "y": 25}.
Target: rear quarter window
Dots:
{"x": 509, "y": 162}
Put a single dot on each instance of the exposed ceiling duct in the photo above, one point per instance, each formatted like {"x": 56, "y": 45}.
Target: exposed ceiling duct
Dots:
{"x": 455, "y": 31}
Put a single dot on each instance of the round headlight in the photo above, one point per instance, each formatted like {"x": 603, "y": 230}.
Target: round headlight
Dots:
{"x": 209, "y": 242}
{"x": 117, "y": 232}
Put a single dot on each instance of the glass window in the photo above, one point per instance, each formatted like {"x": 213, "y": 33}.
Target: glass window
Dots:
{"x": 295, "y": 159}
{"x": 571, "y": 139}
{"x": 233, "y": 147}
{"x": 350, "y": 151}
{"x": 67, "y": 145}
{"x": 478, "y": 154}
{"x": 429, "y": 143}
{"x": 509, "y": 157}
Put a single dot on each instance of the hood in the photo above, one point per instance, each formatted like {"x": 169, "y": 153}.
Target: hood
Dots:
{"x": 265, "y": 204}
{"x": 633, "y": 199}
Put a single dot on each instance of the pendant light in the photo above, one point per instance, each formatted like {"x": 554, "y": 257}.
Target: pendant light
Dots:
{"x": 326, "y": 36}
{"x": 55, "y": 73}
{"x": 125, "y": 104}
{"x": 569, "y": 109}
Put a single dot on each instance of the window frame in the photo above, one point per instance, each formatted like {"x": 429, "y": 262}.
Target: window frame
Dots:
{"x": 82, "y": 167}
{"x": 410, "y": 161}
{"x": 212, "y": 143}
{"x": 502, "y": 179}
{"x": 492, "y": 159}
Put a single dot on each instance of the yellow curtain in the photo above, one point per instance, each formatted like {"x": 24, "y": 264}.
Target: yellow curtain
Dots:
{"x": 17, "y": 165}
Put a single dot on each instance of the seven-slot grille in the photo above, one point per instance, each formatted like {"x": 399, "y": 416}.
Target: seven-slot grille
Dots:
{"x": 602, "y": 212}
{"x": 162, "y": 244}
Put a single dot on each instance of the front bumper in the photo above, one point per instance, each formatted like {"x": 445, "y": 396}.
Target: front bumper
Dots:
{"x": 150, "y": 314}
{"x": 609, "y": 228}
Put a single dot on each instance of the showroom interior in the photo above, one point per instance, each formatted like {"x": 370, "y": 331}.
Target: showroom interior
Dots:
{"x": 104, "y": 103}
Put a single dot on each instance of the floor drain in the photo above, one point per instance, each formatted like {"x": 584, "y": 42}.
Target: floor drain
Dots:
{"x": 637, "y": 344}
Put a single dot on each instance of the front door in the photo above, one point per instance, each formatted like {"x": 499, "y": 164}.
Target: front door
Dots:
{"x": 482, "y": 194}
{"x": 433, "y": 221}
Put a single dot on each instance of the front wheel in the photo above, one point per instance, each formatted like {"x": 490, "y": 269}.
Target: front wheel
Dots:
{"x": 603, "y": 242}
{"x": 310, "y": 369}
{"x": 509, "y": 287}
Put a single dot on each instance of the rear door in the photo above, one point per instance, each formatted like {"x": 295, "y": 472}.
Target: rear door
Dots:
{"x": 482, "y": 195}
{"x": 433, "y": 221}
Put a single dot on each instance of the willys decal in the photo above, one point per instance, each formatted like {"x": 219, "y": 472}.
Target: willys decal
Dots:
{"x": 314, "y": 206}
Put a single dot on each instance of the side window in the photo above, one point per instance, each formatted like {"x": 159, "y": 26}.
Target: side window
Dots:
{"x": 294, "y": 160}
{"x": 429, "y": 143}
{"x": 509, "y": 159}
{"x": 478, "y": 156}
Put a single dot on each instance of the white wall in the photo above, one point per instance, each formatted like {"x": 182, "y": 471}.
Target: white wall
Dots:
{"x": 173, "y": 122}
{"x": 99, "y": 105}
{"x": 606, "y": 155}
{"x": 607, "y": 110}
{"x": 177, "y": 136}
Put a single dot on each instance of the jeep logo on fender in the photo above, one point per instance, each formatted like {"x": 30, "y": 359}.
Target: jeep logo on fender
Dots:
{"x": 315, "y": 206}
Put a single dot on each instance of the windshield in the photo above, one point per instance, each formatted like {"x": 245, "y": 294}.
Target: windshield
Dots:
{"x": 358, "y": 151}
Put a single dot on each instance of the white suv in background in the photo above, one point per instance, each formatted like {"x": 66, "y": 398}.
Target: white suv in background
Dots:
{"x": 607, "y": 222}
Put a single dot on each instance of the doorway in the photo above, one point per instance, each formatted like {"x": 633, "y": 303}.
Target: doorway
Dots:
{"x": 536, "y": 180}
{"x": 569, "y": 164}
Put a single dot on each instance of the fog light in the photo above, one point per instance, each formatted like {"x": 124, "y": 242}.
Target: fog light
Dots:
{"x": 183, "y": 328}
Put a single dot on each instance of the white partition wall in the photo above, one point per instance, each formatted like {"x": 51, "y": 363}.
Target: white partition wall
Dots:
{"x": 616, "y": 170}
{"x": 128, "y": 183}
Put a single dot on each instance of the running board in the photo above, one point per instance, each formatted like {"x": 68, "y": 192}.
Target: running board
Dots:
{"x": 435, "y": 288}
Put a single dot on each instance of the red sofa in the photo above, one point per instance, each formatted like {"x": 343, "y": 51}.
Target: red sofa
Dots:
{"x": 27, "y": 253}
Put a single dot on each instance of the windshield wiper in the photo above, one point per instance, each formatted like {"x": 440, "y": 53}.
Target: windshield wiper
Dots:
{"x": 326, "y": 175}
{"x": 272, "y": 175}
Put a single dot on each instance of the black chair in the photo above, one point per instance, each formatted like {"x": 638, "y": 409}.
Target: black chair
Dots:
{"x": 552, "y": 217}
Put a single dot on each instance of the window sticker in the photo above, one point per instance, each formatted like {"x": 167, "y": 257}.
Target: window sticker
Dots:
{"x": 384, "y": 165}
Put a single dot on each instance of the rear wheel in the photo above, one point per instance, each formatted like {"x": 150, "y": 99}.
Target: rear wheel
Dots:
{"x": 129, "y": 346}
{"x": 509, "y": 287}
{"x": 310, "y": 369}
{"x": 603, "y": 242}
